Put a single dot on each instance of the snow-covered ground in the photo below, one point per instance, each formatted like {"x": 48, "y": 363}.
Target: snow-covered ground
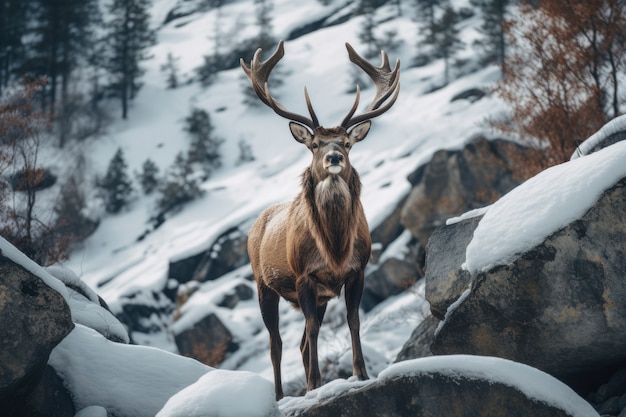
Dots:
{"x": 116, "y": 264}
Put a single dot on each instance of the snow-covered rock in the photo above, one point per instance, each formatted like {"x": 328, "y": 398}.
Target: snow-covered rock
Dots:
{"x": 547, "y": 273}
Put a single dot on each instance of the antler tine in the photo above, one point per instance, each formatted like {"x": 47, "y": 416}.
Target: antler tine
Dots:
{"x": 387, "y": 82}
{"x": 354, "y": 107}
{"x": 258, "y": 74}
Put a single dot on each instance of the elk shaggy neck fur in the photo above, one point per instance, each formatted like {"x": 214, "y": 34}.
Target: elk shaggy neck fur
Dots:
{"x": 332, "y": 205}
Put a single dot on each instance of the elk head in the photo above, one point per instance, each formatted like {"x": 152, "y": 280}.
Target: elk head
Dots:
{"x": 330, "y": 147}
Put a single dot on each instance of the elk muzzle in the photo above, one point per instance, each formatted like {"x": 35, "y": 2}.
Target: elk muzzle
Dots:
{"x": 334, "y": 162}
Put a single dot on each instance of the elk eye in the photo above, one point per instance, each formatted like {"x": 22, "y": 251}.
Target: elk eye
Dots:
{"x": 347, "y": 144}
{"x": 315, "y": 146}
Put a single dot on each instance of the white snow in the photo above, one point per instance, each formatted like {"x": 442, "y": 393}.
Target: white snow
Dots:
{"x": 614, "y": 126}
{"x": 224, "y": 393}
{"x": 542, "y": 205}
{"x": 128, "y": 380}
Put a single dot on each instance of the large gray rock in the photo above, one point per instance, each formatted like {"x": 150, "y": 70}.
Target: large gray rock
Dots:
{"x": 457, "y": 181}
{"x": 207, "y": 341}
{"x": 486, "y": 387}
{"x": 558, "y": 307}
{"x": 34, "y": 318}
{"x": 445, "y": 280}
{"x": 418, "y": 345}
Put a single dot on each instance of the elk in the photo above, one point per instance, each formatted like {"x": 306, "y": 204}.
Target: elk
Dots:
{"x": 307, "y": 250}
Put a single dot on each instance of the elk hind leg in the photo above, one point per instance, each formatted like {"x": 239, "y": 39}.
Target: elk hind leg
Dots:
{"x": 268, "y": 301}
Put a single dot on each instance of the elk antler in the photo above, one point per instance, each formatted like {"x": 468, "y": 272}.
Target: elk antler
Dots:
{"x": 259, "y": 72}
{"x": 386, "y": 82}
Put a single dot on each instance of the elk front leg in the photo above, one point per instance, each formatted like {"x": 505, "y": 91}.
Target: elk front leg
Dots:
{"x": 304, "y": 346}
{"x": 307, "y": 299}
{"x": 354, "y": 292}
{"x": 268, "y": 300}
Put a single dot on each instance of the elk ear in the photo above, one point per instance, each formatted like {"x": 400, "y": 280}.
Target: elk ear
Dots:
{"x": 359, "y": 131}
{"x": 301, "y": 133}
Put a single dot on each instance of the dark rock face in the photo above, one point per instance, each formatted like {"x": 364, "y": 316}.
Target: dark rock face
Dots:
{"x": 454, "y": 182}
{"x": 433, "y": 394}
{"x": 391, "y": 277}
{"x": 445, "y": 280}
{"x": 48, "y": 398}
{"x": 226, "y": 254}
{"x": 418, "y": 345}
{"x": 559, "y": 307}
{"x": 208, "y": 341}
{"x": 34, "y": 318}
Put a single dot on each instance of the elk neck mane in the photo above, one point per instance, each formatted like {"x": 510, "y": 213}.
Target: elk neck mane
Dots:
{"x": 333, "y": 207}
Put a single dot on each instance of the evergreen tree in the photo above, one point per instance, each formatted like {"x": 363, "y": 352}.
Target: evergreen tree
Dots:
{"x": 426, "y": 15}
{"x": 446, "y": 39}
{"x": 60, "y": 36}
{"x": 148, "y": 177}
{"x": 180, "y": 186}
{"x": 245, "y": 152}
{"x": 493, "y": 44}
{"x": 366, "y": 33}
{"x": 170, "y": 68}
{"x": 116, "y": 185}
{"x": 204, "y": 148}
{"x": 128, "y": 39}
{"x": 263, "y": 9}
{"x": 13, "y": 18}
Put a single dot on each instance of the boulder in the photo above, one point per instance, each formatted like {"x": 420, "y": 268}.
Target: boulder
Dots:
{"x": 418, "y": 345}
{"x": 557, "y": 307}
{"x": 227, "y": 253}
{"x": 34, "y": 318}
{"x": 450, "y": 386}
{"x": 393, "y": 273}
{"x": 454, "y": 182}
{"x": 207, "y": 341}
{"x": 49, "y": 397}
{"x": 445, "y": 279}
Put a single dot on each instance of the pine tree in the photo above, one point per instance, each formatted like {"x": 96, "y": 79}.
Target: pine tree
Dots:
{"x": 245, "y": 152}
{"x": 61, "y": 34}
{"x": 366, "y": 33}
{"x": 180, "y": 186}
{"x": 446, "y": 39}
{"x": 170, "y": 68}
{"x": 263, "y": 9}
{"x": 128, "y": 39}
{"x": 148, "y": 177}
{"x": 116, "y": 185}
{"x": 204, "y": 148}
{"x": 493, "y": 44}
{"x": 13, "y": 18}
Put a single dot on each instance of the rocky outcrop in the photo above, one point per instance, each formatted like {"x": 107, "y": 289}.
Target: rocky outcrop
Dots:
{"x": 392, "y": 274}
{"x": 227, "y": 253}
{"x": 454, "y": 182}
{"x": 446, "y": 253}
{"x": 437, "y": 387}
{"x": 558, "y": 306}
{"x": 34, "y": 318}
{"x": 418, "y": 345}
{"x": 207, "y": 341}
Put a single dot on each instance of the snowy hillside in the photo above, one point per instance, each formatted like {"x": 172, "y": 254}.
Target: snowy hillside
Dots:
{"x": 116, "y": 264}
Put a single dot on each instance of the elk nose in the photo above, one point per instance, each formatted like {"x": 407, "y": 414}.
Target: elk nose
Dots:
{"x": 334, "y": 158}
